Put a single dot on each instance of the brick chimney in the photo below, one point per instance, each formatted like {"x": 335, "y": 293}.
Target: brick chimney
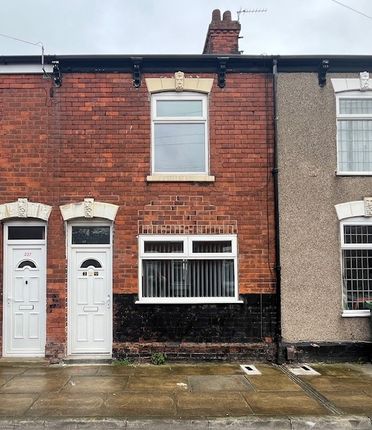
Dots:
{"x": 223, "y": 35}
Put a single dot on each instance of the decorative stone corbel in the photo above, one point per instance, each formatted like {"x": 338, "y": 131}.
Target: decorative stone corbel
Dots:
{"x": 88, "y": 208}
{"x": 367, "y": 206}
{"x": 180, "y": 80}
{"x": 364, "y": 81}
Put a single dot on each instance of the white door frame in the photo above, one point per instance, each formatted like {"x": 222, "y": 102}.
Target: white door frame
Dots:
{"x": 70, "y": 275}
{"x": 6, "y": 286}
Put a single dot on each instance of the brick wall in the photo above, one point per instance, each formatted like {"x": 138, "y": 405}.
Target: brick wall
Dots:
{"x": 91, "y": 138}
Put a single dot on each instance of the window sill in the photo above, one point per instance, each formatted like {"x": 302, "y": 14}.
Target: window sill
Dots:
{"x": 187, "y": 302}
{"x": 180, "y": 178}
{"x": 353, "y": 173}
{"x": 356, "y": 314}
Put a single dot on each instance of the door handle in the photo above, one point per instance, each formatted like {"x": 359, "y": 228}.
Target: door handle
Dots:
{"x": 9, "y": 300}
{"x": 108, "y": 301}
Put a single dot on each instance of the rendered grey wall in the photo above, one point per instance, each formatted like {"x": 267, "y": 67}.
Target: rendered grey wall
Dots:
{"x": 309, "y": 228}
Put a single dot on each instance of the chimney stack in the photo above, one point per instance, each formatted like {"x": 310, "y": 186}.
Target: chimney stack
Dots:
{"x": 223, "y": 35}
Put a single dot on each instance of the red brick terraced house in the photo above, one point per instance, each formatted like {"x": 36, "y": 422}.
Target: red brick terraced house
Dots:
{"x": 137, "y": 204}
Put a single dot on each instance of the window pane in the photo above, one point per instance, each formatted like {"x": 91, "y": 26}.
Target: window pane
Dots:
{"x": 188, "y": 278}
{"x": 355, "y": 146}
{"x": 26, "y": 233}
{"x": 211, "y": 246}
{"x": 180, "y": 148}
{"x": 179, "y": 108}
{"x": 357, "y": 277}
{"x": 356, "y": 106}
{"x": 90, "y": 235}
{"x": 163, "y": 247}
{"x": 358, "y": 233}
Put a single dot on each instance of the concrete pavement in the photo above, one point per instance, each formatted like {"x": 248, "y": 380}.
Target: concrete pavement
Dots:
{"x": 205, "y": 396}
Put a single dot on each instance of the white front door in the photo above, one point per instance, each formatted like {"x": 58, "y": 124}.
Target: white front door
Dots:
{"x": 90, "y": 315}
{"x": 24, "y": 292}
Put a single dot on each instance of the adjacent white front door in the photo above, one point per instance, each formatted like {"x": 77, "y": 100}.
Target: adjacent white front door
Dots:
{"x": 24, "y": 290}
{"x": 90, "y": 285}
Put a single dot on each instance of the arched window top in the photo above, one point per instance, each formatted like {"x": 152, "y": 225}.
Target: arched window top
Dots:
{"x": 90, "y": 262}
{"x": 26, "y": 263}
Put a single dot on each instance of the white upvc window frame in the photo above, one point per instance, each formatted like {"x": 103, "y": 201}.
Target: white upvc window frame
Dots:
{"x": 352, "y": 221}
{"x": 180, "y": 120}
{"x": 350, "y": 117}
{"x": 187, "y": 254}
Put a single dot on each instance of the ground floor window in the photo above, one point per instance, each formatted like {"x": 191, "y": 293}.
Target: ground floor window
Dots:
{"x": 188, "y": 268}
{"x": 356, "y": 241}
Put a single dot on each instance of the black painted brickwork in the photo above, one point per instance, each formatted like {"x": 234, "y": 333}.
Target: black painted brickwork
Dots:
{"x": 252, "y": 321}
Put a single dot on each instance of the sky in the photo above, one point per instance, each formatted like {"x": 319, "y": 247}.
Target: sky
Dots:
{"x": 289, "y": 27}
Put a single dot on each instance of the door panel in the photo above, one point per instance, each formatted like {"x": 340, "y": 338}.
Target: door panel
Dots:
{"x": 90, "y": 294}
{"x": 24, "y": 316}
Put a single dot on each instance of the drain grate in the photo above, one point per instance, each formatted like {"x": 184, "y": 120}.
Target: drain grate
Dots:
{"x": 302, "y": 370}
{"x": 249, "y": 369}
{"x": 312, "y": 392}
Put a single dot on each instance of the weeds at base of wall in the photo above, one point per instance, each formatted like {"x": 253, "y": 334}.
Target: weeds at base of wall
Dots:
{"x": 158, "y": 358}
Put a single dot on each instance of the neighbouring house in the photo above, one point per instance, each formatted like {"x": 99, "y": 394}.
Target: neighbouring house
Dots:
{"x": 137, "y": 203}
{"x": 324, "y": 108}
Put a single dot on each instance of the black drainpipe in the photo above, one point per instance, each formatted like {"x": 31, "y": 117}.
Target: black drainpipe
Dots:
{"x": 279, "y": 357}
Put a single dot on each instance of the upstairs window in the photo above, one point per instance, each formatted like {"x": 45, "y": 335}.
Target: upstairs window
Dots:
{"x": 179, "y": 133}
{"x": 188, "y": 269}
{"x": 354, "y": 133}
{"x": 356, "y": 244}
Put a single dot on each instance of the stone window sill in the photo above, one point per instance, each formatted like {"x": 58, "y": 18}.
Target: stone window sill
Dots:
{"x": 180, "y": 178}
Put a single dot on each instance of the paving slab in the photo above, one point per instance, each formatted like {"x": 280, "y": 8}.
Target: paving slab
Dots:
{"x": 207, "y": 369}
{"x": 277, "y": 382}
{"x": 11, "y": 371}
{"x": 34, "y": 384}
{"x": 339, "y": 370}
{"x": 211, "y": 405}
{"x": 96, "y": 384}
{"x": 359, "y": 403}
{"x": 149, "y": 370}
{"x": 285, "y": 403}
{"x": 206, "y": 383}
{"x": 139, "y": 405}
{"x": 67, "y": 405}
{"x": 115, "y": 370}
{"x": 15, "y": 404}
{"x": 62, "y": 370}
{"x": 158, "y": 384}
{"x": 329, "y": 383}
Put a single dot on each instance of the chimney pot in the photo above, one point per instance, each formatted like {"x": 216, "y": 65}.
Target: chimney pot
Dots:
{"x": 227, "y": 16}
{"x": 216, "y": 15}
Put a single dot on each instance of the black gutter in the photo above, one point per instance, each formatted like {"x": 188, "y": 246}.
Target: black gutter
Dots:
{"x": 197, "y": 63}
{"x": 279, "y": 356}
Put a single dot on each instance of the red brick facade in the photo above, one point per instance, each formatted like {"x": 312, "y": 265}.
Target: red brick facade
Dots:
{"x": 91, "y": 138}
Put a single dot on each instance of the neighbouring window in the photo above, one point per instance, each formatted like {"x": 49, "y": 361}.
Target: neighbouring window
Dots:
{"x": 188, "y": 269}
{"x": 356, "y": 243}
{"x": 179, "y": 133}
{"x": 354, "y": 132}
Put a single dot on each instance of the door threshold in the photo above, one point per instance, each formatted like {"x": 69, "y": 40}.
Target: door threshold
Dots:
{"x": 87, "y": 359}
{"x": 24, "y": 361}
